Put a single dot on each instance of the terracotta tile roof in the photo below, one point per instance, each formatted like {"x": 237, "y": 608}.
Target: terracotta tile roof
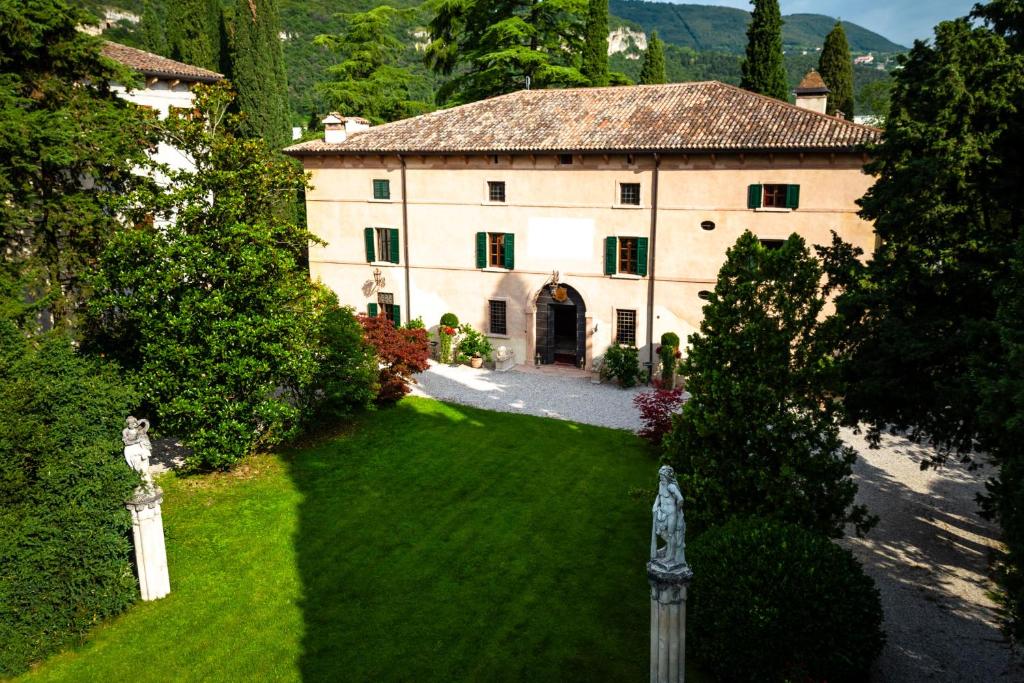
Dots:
{"x": 707, "y": 116}
{"x": 150, "y": 64}
{"x": 812, "y": 83}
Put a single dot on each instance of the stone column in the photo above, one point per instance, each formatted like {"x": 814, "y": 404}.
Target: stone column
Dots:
{"x": 668, "y": 622}
{"x": 148, "y": 534}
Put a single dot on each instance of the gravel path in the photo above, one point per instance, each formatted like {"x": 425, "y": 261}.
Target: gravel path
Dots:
{"x": 564, "y": 394}
{"x": 928, "y": 554}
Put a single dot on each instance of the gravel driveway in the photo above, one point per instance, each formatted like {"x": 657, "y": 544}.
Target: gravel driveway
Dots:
{"x": 561, "y": 393}
{"x": 928, "y": 554}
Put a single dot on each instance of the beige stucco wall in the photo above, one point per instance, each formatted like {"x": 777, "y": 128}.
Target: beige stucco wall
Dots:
{"x": 560, "y": 215}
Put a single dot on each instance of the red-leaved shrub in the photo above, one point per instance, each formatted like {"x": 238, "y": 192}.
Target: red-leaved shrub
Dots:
{"x": 402, "y": 353}
{"x": 656, "y": 410}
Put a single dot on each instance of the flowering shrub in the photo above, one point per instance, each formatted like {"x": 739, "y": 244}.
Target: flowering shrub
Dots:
{"x": 446, "y": 332}
{"x": 669, "y": 353}
{"x": 401, "y": 352}
{"x": 473, "y": 343}
{"x": 656, "y": 410}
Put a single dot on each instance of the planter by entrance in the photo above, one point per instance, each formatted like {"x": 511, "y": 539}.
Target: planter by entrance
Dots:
{"x": 476, "y": 362}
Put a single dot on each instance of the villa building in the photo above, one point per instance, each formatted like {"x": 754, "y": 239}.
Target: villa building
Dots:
{"x": 167, "y": 86}
{"x": 561, "y": 221}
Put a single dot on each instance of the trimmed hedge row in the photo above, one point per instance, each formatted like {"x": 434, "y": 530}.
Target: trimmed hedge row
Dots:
{"x": 65, "y": 544}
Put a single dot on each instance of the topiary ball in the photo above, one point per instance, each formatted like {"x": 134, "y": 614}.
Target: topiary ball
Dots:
{"x": 449, "y": 320}
{"x": 771, "y": 601}
{"x": 670, "y": 339}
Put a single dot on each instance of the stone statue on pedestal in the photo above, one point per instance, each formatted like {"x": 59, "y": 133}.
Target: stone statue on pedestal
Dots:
{"x": 668, "y": 524}
{"x": 137, "y": 448}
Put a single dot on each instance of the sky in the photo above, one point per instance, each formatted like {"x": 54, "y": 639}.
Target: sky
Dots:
{"x": 901, "y": 21}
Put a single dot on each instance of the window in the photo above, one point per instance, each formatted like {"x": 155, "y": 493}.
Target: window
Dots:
{"x": 629, "y": 193}
{"x": 386, "y": 305}
{"x": 498, "y": 317}
{"x": 627, "y": 255}
{"x": 495, "y": 250}
{"x": 625, "y": 327}
{"x": 495, "y": 190}
{"x": 631, "y": 159}
{"x": 773, "y": 196}
{"x": 382, "y": 189}
{"x": 381, "y": 244}
{"x": 565, "y": 159}
{"x": 704, "y": 294}
{"x": 707, "y": 225}
{"x": 772, "y": 245}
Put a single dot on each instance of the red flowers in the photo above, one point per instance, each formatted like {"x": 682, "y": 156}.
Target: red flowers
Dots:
{"x": 450, "y": 331}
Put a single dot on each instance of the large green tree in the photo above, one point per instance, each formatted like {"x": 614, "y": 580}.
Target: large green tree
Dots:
{"x": 213, "y": 308}
{"x": 69, "y": 149}
{"x": 366, "y": 82}
{"x": 935, "y": 314}
{"x": 836, "y": 68}
{"x": 595, "y": 43}
{"x": 257, "y": 71}
{"x": 763, "y": 70}
{"x": 153, "y": 27}
{"x": 193, "y": 32}
{"x": 488, "y": 47}
{"x": 653, "y": 69}
{"x": 760, "y": 435}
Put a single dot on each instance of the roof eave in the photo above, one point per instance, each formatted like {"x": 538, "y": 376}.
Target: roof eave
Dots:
{"x": 843, "y": 149}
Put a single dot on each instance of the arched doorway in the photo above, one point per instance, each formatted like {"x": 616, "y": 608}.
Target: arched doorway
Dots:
{"x": 561, "y": 326}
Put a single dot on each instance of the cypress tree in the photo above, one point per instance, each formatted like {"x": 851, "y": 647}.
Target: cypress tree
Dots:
{"x": 192, "y": 32}
{"x": 153, "y": 26}
{"x": 653, "y": 68}
{"x": 257, "y": 71}
{"x": 595, "y": 47}
{"x": 836, "y": 68}
{"x": 763, "y": 70}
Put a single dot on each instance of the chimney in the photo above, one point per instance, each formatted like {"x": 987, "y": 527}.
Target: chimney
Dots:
{"x": 338, "y": 128}
{"x": 812, "y": 93}
{"x": 334, "y": 128}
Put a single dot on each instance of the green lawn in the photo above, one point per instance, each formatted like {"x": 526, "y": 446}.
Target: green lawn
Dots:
{"x": 430, "y": 543}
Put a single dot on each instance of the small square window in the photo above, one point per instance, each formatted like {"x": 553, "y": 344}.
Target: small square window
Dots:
{"x": 498, "y": 316}
{"x": 628, "y": 255}
{"x": 496, "y": 190}
{"x": 629, "y": 193}
{"x": 496, "y": 249}
{"x": 565, "y": 159}
{"x": 382, "y": 189}
{"x": 625, "y": 327}
{"x": 772, "y": 245}
{"x": 774, "y": 196}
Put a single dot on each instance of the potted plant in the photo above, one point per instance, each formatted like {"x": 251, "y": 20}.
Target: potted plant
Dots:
{"x": 474, "y": 347}
{"x": 445, "y": 333}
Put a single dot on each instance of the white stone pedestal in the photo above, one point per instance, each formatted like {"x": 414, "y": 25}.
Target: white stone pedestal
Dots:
{"x": 668, "y": 622}
{"x": 148, "y": 533}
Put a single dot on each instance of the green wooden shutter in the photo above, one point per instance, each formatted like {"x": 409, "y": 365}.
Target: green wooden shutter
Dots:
{"x": 611, "y": 256}
{"x": 368, "y": 237}
{"x": 394, "y": 245}
{"x": 371, "y": 310}
{"x": 754, "y": 197}
{"x": 381, "y": 189}
{"x": 641, "y": 256}
{"x": 396, "y": 315}
{"x": 481, "y": 250}
{"x": 792, "y": 196}
{"x": 510, "y": 250}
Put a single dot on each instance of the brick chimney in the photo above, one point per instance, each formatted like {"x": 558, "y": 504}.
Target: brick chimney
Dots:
{"x": 338, "y": 128}
{"x": 812, "y": 93}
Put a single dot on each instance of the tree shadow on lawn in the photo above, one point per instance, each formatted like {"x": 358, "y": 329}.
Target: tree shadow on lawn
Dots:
{"x": 929, "y": 556}
{"x": 443, "y": 543}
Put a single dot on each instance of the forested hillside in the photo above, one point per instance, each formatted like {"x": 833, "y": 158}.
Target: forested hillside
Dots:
{"x": 702, "y": 42}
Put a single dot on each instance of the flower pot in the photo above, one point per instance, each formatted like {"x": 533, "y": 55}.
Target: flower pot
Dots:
{"x": 476, "y": 362}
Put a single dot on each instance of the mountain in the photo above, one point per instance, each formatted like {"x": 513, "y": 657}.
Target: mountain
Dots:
{"x": 707, "y": 28}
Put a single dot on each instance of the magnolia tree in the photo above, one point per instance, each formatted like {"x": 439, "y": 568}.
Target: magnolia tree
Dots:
{"x": 760, "y": 435}
{"x": 214, "y": 310}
